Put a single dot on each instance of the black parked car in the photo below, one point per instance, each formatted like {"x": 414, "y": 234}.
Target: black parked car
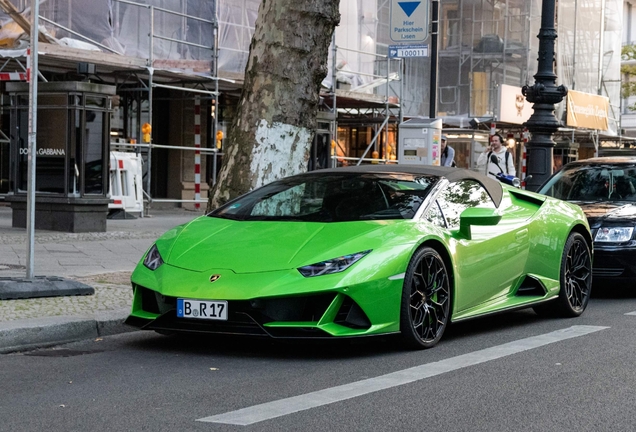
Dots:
{"x": 605, "y": 188}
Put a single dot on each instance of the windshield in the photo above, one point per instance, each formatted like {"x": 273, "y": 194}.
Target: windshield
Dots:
{"x": 332, "y": 198}
{"x": 593, "y": 183}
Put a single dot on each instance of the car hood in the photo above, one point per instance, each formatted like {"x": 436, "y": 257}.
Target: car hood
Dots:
{"x": 609, "y": 213}
{"x": 259, "y": 246}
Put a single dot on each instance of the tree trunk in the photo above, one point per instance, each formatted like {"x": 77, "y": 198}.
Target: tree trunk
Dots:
{"x": 272, "y": 132}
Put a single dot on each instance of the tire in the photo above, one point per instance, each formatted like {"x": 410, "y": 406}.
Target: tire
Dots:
{"x": 575, "y": 278}
{"x": 425, "y": 305}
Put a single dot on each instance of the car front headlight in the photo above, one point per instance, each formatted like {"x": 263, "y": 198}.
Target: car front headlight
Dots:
{"x": 153, "y": 258}
{"x": 334, "y": 265}
{"x": 614, "y": 234}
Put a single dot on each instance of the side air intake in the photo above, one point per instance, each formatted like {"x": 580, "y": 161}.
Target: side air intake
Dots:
{"x": 531, "y": 287}
{"x": 352, "y": 316}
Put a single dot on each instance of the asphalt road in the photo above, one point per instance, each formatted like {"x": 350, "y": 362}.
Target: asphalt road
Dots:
{"x": 506, "y": 373}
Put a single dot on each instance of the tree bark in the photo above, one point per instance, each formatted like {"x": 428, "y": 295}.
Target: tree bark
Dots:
{"x": 272, "y": 132}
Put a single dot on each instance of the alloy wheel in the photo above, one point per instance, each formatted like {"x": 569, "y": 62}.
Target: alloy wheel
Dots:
{"x": 429, "y": 298}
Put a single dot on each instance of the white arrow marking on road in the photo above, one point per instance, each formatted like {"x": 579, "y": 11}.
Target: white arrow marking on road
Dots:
{"x": 631, "y": 313}
{"x": 270, "y": 410}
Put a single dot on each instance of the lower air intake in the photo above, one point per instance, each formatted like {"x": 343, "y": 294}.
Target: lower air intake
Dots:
{"x": 352, "y": 316}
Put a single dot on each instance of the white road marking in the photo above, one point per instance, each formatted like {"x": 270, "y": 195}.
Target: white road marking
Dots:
{"x": 631, "y": 313}
{"x": 270, "y": 410}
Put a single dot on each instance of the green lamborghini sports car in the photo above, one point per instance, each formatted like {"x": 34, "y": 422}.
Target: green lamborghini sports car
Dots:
{"x": 366, "y": 250}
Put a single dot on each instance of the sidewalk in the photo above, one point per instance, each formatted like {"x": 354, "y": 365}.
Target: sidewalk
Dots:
{"x": 101, "y": 260}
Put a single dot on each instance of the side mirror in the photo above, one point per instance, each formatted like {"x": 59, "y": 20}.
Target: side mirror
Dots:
{"x": 479, "y": 217}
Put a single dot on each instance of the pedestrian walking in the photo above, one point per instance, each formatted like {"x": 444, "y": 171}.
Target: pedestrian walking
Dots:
{"x": 448, "y": 154}
{"x": 503, "y": 162}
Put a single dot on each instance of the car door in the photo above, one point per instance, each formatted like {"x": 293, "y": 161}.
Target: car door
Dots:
{"x": 487, "y": 265}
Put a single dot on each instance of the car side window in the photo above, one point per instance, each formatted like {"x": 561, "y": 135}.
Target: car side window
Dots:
{"x": 459, "y": 196}
{"x": 434, "y": 215}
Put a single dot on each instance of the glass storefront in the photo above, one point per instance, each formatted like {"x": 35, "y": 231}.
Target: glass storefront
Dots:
{"x": 72, "y": 143}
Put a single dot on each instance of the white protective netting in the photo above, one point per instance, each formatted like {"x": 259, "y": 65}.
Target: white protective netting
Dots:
{"x": 122, "y": 26}
{"x": 483, "y": 43}
{"x": 589, "y": 51}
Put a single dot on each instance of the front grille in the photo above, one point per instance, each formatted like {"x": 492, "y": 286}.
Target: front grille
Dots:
{"x": 300, "y": 308}
{"x": 246, "y": 317}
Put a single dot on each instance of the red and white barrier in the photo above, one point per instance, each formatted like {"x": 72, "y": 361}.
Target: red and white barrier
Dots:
{"x": 126, "y": 185}
{"x": 28, "y": 68}
{"x": 524, "y": 156}
{"x": 197, "y": 153}
{"x": 13, "y": 76}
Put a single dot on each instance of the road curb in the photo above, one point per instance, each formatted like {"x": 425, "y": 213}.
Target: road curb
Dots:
{"x": 22, "y": 335}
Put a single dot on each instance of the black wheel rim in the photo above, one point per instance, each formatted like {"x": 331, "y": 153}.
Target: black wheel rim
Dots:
{"x": 578, "y": 275}
{"x": 429, "y": 300}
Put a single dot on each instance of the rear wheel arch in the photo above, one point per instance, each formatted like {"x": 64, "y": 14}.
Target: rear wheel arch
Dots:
{"x": 575, "y": 278}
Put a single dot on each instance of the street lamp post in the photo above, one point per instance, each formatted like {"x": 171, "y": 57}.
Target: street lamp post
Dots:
{"x": 544, "y": 94}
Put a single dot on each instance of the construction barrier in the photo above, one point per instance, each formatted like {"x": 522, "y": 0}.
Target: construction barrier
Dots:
{"x": 126, "y": 189}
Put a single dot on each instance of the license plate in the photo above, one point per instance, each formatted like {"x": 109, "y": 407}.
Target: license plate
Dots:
{"x": 202, "y": 309}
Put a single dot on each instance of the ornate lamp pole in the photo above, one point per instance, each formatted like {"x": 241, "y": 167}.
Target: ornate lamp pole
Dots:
{"x": 543, "y": 95}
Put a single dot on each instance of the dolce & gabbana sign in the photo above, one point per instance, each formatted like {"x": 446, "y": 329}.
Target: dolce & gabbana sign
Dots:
{"x": 44, "y": 152}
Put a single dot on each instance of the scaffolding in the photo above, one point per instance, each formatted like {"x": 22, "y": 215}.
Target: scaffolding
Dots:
{"x": 139, "y": 47}
{"x": 192, "y": 47}
{"x": 484, "y": 44}
{"x": 488, "y": 44}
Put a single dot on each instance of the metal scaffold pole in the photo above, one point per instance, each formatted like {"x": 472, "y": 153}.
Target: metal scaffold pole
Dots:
{"x": 215, "y": 100}
{"x": 32, "y": 72}
{"x": 334, "y": 82}
{"x": 432, "y": 110}
{"x": 150, "y": 86}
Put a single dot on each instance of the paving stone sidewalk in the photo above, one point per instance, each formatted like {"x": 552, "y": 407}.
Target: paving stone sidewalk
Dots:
{"x": 101, "y": 260}
{"x": 107, "y": 297}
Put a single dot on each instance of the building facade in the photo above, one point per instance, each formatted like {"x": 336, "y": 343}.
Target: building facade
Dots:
{"x": 185, "y": 78}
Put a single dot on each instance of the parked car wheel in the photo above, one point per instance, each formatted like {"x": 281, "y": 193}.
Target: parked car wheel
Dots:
{"x": 576, "y": 280}
{"x": 425, "y": 300}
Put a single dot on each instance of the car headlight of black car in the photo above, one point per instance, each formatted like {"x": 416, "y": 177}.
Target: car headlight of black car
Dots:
{"x": 153, "y": 258}
{"x": 614, "y": 234}
{"x": 334, "y": 265}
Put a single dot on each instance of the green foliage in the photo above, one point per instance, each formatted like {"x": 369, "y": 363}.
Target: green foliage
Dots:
{"x": 628, "y": 86}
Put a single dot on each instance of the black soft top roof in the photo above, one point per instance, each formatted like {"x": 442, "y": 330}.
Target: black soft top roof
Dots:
{"x": 451, "y": 174}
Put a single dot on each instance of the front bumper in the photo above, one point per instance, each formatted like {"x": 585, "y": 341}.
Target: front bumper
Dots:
{"x": 312, "y": 316}
{"x": 320, "y": 315}
{"x": 614, "y": 264}
{"x": 280, "y": 304}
